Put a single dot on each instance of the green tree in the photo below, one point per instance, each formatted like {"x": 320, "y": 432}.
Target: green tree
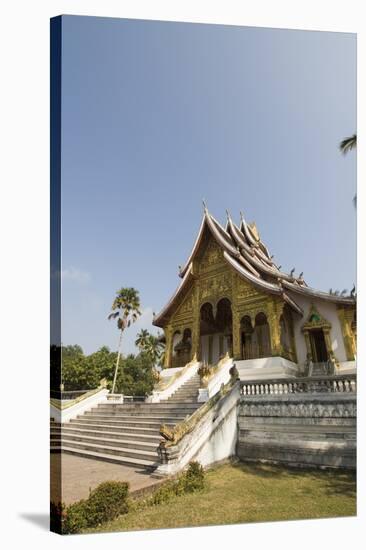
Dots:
{"x": 76, "y": 375}
{"x": 126, "y": 309}
{"x": 348, "y": 144}
{"x": 154, "y": 349}
{"x": 150, "y": 345}
{"x": 142, "y": 339}
{"x": 102, "y": 363}
{"x": 136, "y": 375}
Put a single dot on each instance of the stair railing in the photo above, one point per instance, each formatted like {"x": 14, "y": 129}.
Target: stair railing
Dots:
{"x": 181, "y": 442}
{"x": 165, "y": 389}
{"x": 65, "y": 411}
{"x": 212, "y": 378}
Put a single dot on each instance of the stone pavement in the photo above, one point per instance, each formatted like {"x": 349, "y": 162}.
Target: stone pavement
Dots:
{"x": 79, "y": 475}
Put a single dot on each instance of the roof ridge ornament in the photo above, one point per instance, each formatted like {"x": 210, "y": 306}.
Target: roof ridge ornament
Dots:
{"x": 204, "y": 206}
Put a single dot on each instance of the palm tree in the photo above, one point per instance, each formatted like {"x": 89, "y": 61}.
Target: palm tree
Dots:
{"x": 151, "y": 345}
{"x": 154, "y": 348}
{"x": 126, "y": 309}
{"x": 348, "y": 144}
{"x": 142, "y": 339}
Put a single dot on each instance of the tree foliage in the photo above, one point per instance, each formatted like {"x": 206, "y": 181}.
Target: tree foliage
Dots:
{"x": 150, "y": 345}
{"x": 84, "y": 372}
{"x": 348, "y": 144}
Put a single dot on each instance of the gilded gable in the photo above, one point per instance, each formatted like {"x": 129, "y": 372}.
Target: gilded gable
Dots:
{"x": 212, "y": 258}
{"x": 185, "y": 310}
{"x": 245, "y": 290}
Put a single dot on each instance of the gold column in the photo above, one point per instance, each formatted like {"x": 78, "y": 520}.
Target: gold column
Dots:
{"x": 328, "y": 342}
{"x": 196, "y": 327}
{"x": 346, "y": 318}
{"x": 168, "y": 346}
{"x": 236, "y": 341}
{"x": 274, "y": 314}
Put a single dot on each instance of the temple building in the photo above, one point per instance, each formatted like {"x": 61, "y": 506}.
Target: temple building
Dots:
{"x": 233, "y": 299}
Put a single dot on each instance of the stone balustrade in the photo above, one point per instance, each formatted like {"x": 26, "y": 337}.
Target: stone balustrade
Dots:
{"x": 325, "y": 384}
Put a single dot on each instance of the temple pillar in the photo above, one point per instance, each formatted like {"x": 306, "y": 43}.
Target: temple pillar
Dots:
{"x": 168, "y": 346}
{"x": 274, "y": 313}
{"x": 307, "y": 343}
{"x": 236, "y": 335}
{"x": 328, "y": 342}
{"x": 346, "y": 318}
{"x": 196, "y": 329}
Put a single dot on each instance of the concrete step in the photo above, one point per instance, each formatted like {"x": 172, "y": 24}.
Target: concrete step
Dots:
{"x": 133, "y": 436}
{"x": 149, "y": 456}
{"x": 134, "y": 417}
{"x": 133, "y": 430}
{"x": 147, "y": 465}
{"x": 185, "y": 393}
{"x": 148, "y": 407}
{"x": 173, "y": 401}
{"x": 124, "y": 424}
{"x": 174, "y": 412}
{"x": 133, "y": 444}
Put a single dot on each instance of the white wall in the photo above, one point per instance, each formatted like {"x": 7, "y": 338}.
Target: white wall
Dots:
{"x": 329, "y": 312}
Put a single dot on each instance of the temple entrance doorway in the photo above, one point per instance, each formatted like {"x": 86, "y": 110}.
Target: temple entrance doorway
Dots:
{"x": 216, "y": 329}
{"x": 318, "y": 346}
{"x": 255, "y": 340}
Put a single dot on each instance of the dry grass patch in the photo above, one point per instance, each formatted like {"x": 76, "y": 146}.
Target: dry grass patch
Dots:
{"x": 244, "y": 493}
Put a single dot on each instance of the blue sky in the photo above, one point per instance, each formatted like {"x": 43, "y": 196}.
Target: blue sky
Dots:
{"x": 157, "y": 116}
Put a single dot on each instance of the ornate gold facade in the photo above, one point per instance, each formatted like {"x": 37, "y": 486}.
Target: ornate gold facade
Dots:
{"x": 213, "y": 281}
{"x": 234, "y": 299}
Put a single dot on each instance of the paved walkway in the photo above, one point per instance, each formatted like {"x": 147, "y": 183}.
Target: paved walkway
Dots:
{"x": 79, "y": 475}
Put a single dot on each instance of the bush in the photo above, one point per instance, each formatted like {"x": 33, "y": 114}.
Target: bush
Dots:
{"x": 76, "y": 518}
{"x": 164, "y": 493}
{"x": 107, "y": 501}
{"x": 193, "y": 478}
{"x": 104, "y": 503}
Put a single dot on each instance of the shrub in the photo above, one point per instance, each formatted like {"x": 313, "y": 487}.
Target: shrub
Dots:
{"x": 76, "y": 518}
{"x": 193, "y": 478}
{"x": 164, "y": 493}
{"x": 107, "y": 501}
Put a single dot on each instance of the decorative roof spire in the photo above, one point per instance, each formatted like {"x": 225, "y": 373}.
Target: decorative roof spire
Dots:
{"x": 204, "y": 206}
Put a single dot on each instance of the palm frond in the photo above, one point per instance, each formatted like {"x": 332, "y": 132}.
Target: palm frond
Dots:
{"x": 348, "y": 144}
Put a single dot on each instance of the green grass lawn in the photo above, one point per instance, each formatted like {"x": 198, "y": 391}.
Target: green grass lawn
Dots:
{"x": 244, "y": 493}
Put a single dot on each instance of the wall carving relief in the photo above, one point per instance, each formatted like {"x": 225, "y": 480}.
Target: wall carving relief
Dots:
{"x": 215, "y": 287}
{"x": 308, "y": 409}
{"x": 212, "y": 257}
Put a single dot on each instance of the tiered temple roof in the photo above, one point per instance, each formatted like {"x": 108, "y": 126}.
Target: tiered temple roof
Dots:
{"x": 247, "y": 254}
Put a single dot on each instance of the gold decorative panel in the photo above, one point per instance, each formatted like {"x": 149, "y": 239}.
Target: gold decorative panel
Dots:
{"x": 211, "y": 258}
